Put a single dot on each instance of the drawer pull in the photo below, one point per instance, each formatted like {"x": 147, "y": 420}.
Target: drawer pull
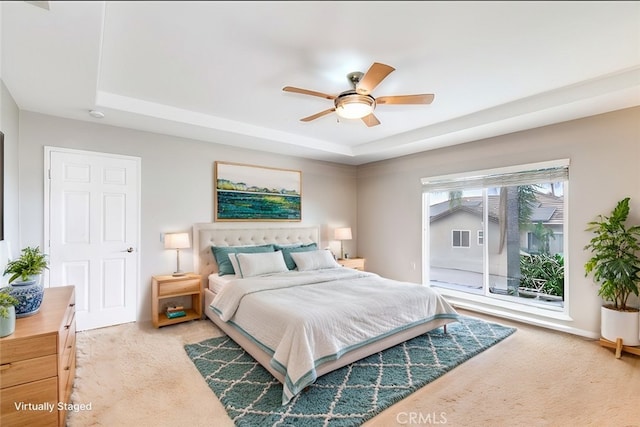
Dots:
{"x": 5, "y": 367}
{"x": 66, "y": 368}
{"x": 67, "y": 326}
{"x": 73, "y": 304}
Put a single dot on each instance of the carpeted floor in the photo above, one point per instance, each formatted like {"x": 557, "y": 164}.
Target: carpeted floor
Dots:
{"x": 135, "y": 375}
{"x": 348, "y": 396}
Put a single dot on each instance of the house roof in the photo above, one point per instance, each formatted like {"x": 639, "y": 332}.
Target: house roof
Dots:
{"x": 548, "y": 209}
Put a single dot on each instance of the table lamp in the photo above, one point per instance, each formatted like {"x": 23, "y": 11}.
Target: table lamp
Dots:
{"x": 342, "y": 234}
{"x": 177, "y": 241}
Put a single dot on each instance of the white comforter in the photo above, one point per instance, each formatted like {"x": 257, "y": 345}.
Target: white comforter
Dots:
{"x": 304, "y": 319}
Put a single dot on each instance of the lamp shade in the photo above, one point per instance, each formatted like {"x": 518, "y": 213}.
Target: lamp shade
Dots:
{"x": 343, "y": 233}
{"x": 176, "y": 241}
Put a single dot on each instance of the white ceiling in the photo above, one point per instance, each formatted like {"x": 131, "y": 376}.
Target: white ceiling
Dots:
{"x": 214, "y": 71}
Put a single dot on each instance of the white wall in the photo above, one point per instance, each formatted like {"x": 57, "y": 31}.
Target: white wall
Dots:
{"x": 177, "y": 185}
{"x": 9, "y": 126}
{"x": 605, "y": 167}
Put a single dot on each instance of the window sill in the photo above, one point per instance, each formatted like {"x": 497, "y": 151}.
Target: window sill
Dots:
{"x": 503, "y": 307}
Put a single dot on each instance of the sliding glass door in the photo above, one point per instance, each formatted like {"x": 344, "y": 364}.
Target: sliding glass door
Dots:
{"x": 499, "y": 234}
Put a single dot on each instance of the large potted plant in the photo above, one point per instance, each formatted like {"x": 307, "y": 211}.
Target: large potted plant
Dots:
{"x": 26, "y": 273}
{"x": 7, "y": 313}
{"x": 615, "y": 264}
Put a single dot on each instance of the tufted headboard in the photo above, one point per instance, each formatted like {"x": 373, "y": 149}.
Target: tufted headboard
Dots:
{"x": 206, "y": 235}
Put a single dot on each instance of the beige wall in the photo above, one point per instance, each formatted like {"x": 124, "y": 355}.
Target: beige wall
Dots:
{"x": 9, "y": 126}
{"x": 381, "y": 201}
{"x": 605, "y": 167}
{"x": 177, "y": 185}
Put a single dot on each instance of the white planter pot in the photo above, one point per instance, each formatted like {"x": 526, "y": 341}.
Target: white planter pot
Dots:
{"x": 8, "y": 325}
{"x": 620, "y": 324}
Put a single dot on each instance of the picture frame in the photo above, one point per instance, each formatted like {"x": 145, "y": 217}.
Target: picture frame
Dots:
{"x": 255, "y": 193}
{"x": 1, "y": 186}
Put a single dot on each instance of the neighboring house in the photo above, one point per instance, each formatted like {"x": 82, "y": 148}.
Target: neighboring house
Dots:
{"x": 457, "y": 237}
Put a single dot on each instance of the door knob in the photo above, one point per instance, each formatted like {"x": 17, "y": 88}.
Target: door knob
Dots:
{"x": 129, "y": 250}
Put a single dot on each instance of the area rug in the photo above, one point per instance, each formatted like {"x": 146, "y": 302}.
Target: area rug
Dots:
{"x": 348, "y": 396}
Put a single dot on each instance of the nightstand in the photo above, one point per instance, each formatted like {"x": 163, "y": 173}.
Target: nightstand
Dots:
{"x": 166, "y": 287}
{"x": 355, "y": 263}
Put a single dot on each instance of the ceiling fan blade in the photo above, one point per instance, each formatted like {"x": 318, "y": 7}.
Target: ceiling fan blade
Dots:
{"x": 318, "y": 115}
{"x": 406, "y": 99}
{"x": 373, "y": 77}
{"x": 371, "y": 120}
{"x": 308, "y": 92}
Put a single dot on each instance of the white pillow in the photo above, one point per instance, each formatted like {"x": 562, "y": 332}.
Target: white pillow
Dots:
{"x": 314, "y": 260}
{"x": 256, "y": 264}
{"x": 234, "y": 264}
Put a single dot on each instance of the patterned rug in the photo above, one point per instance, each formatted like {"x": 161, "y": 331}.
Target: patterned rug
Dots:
{"x": 348, "y": 396}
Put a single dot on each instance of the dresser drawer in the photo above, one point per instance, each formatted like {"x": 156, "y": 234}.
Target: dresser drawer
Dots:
{"x": 27, "y": 348}
{"x": 24, "y": 371}
{"x": 39, "y": 394}
{"x": 67, "y": 376}
{"x": 70, "y": 313}
{"x": 66, "y": 332}
{"x": 67, "y": 362}
{"x": 178, "y": 287}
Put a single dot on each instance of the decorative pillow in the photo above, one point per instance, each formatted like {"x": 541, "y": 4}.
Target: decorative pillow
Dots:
{"x": 314, "y": 260}
{"x": 234, "y": 264}
{"x": 257, "y": 264}
{"x": 287, "y": 250}
{"x": 221, "y": 254}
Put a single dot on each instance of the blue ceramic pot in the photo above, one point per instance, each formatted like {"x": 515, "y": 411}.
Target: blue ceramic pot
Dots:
{"x": 29, "y": 295}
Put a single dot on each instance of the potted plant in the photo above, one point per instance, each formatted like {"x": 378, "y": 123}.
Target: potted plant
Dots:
{"x": 28, "y": 290}
{"x": 7, "y": 313}
{"x": 615, "y": 264}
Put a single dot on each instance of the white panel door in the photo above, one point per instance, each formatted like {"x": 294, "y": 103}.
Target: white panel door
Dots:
{"x": 93, "y": 233}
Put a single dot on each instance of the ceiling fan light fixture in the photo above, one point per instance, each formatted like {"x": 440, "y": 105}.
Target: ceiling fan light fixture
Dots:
{"x": 354, "y": 106}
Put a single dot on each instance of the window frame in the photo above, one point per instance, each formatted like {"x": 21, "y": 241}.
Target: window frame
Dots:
{"x": 497, "y": 302}
{"x": 461, "y": 231}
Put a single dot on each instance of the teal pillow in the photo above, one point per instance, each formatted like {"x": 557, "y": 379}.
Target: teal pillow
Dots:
{"x": 221, "y": 254}
{"x": 286, "y": 252}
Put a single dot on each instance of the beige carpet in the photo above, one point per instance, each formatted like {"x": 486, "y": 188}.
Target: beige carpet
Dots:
{"x": 135, "y": 375}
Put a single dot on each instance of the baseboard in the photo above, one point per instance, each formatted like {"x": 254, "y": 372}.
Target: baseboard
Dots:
{"x": 523, "y": 318}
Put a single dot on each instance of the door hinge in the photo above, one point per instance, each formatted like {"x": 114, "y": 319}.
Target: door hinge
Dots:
{"x": 49, "y": 173}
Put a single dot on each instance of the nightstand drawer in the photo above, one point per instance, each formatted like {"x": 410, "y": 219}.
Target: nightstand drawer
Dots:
{"x": 355, "y": 263}
{"x": 178, "y": 287}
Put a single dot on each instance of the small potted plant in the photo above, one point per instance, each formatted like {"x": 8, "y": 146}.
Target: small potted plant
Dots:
{"x": 615, "y": 264}
{"x": 26, "y": 272}
{"x": 7, "y": 313}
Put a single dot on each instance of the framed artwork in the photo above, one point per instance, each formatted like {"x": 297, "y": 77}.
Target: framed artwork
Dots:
{"x": 255, "y": 193}
{"x": 1, "y": 186}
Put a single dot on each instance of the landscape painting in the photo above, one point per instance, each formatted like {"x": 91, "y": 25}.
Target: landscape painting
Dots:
{"x": 255, "y": 193}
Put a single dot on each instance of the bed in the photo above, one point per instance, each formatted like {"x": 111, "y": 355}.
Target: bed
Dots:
{"x": 303, "y": 324}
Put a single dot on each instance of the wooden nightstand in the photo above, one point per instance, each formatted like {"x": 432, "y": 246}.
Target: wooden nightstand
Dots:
{"x": 165, "y": 287}
{"x": 355, "y": 263}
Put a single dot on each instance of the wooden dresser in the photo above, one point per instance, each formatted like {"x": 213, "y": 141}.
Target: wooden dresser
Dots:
{"x": 38, "y": 362}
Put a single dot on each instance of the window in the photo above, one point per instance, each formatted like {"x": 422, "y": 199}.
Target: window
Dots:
{"x": 519, "y": 214}
{"x": 460, "y": 238}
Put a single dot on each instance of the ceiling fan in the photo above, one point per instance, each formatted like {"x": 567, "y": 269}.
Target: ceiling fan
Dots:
{"x": 358, "y": 103}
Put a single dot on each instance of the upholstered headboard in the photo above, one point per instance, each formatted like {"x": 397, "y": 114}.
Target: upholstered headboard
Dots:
{"x": 206, "y": 235}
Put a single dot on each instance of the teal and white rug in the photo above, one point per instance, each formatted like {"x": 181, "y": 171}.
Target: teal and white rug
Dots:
{"x": 348, "y": 396}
